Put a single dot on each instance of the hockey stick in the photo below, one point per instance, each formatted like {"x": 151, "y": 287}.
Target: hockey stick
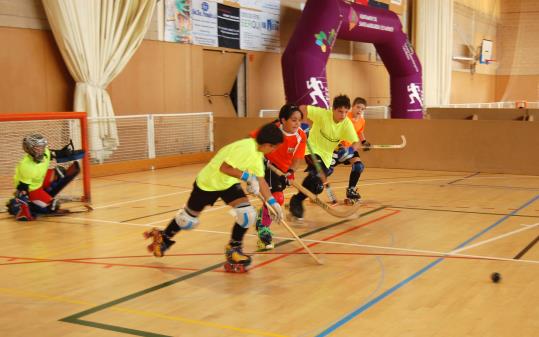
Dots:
{"x": 68, "y": 211}
{"x": 322, "y": 175}
{"x": 290, "y": 230}
{"x": 314, "y": 198}
{"x": 387, "y": 146}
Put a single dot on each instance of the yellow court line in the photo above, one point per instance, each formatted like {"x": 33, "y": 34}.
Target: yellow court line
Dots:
{"x": 34, "y": 295}
{"x": 61, "y": 299}
{"x": 198, "y": 322}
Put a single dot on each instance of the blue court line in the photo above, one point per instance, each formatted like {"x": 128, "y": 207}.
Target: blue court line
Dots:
{"x": 399, "y": 285}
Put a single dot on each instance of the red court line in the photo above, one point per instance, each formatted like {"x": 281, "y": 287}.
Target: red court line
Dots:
{"x": 104, "y": 264}
{"x": 326, "y": 239}
{"x": 110, "y": 265}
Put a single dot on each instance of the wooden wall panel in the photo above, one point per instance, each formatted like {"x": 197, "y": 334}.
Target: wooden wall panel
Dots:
{"x": 265, "y": 88}
{"x": 447, "y": 145}
{"x": 455, "y": 145}
{"x": 196, "y": 79}
{"x": 517, "y": 87}
{"x": 59, "y": 83}
{"x": 180, "y": 85}
{"x": 34, "y": 76}
{"x": 377, "y": 78}
{"x": 23, "y": 71}
{"x": 479, "y": 113}
{"x": 472, "y": 88}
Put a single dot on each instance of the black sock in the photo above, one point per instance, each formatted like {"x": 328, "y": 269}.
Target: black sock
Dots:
{"x": 172, "y": 228}
{"x": 237, "y": 234}
{"x": 354, "y": 178}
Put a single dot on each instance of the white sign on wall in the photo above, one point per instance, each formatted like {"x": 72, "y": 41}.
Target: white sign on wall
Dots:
{"x": 259, "y": 31}
{"x": 204, "y": 22}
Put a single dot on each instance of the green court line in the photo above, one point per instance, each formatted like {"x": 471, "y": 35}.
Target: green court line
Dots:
{"x": 527, "y": 248}
{"x": 75, "y": 319}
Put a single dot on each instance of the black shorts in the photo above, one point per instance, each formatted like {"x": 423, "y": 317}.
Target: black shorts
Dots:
{"x": 200, "y": 198}
{"x": 347, "y": 162}
{"x": 311, "y": 168}
{"x": 276, "y": 182}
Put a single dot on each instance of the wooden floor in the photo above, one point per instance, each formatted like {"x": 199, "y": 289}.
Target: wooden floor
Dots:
{"x": 416, "y": 262}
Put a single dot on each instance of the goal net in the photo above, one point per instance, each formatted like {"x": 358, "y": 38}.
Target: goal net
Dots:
{"x": 59, "y": 128}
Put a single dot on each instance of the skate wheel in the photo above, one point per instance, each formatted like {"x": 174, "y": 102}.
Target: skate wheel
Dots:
{"x": 149, "y": 234}
{"x": 261, "y": 246}
{"x": 234, "y": 268}
{"x": 350, "y": 202}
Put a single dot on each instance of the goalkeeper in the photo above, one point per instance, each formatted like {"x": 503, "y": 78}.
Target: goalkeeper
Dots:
{"x": 36, "y": 184}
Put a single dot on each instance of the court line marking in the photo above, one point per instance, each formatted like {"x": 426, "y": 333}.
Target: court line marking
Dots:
{"x": 458, "y": 211}
{"x": 335, "y": 187}
{"x": 348, "y": 317}
{"x": 53, "y": 298}
{"x": 76, "y": 318}
{"x": 411, "y": 250}
{"x": 417, "y": 180}
{"x": 480, "y": 243}
{"x": 141, "y": 199}
{"x": 527, "y": 248}
{"x": 186, "y": 191}
{"x": 463, "y": 178}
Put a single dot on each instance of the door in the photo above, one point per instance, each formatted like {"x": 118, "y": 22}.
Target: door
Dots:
{"x": 220, "y": 73}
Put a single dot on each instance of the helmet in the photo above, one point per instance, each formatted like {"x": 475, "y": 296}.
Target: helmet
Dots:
{"x": 31, "y": 144}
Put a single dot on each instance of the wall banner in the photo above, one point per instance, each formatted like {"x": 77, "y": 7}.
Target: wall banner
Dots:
{"x": 204, "y": 22}
{"x": 178, "y": 21}
{"x": 228, "y": 26}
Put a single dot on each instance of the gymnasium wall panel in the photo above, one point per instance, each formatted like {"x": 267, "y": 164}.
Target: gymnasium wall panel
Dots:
{"x": 491, "y": 146}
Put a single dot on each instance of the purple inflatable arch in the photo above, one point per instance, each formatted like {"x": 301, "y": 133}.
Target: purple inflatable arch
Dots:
{"x": 304, "y": 59}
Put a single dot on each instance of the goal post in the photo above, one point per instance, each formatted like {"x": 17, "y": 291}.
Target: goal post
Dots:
{"x": 59, "y": 128}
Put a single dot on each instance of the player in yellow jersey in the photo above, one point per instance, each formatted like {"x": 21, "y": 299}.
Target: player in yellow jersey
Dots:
{"x": 242, "y": 160}
{"x": 347, "y": 155}
{"x": 36, "y": 183}
{"x": 329, "y": 128}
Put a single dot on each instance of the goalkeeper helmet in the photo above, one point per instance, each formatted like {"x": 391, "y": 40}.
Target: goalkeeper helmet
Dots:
{"x": 35, "y": 145}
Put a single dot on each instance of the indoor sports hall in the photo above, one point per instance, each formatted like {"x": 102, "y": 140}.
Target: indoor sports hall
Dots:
{"x": 115, "y": 113}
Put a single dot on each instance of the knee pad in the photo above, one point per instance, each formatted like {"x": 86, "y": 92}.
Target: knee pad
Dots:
{"x": 13, "y": 206}
{"x": 245, "y": 215}
{"x": 358, "y": 167}
{"x": 185, "y": 221}
{"x": 279, "y": 197}
{"x": 313, "y": 184}
{"x": 318, "y": 187}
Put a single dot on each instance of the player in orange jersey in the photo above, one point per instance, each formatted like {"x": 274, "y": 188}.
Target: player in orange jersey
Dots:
{"x": 347, "y": 155}
{"x": 286, "y": 157}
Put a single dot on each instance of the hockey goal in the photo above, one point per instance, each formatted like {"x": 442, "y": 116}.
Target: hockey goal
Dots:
{"x": 59, "y": 128}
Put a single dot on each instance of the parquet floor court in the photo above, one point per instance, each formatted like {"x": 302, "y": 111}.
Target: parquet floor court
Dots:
{"x": 416, "y": 261}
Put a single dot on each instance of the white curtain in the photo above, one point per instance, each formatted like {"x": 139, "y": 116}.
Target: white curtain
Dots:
{"x": 97, "y": 38}
{"x": 434, "y": 47}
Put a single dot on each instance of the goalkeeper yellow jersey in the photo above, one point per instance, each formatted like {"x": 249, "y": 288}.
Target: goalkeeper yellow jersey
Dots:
{"x": 30, "y": 172}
